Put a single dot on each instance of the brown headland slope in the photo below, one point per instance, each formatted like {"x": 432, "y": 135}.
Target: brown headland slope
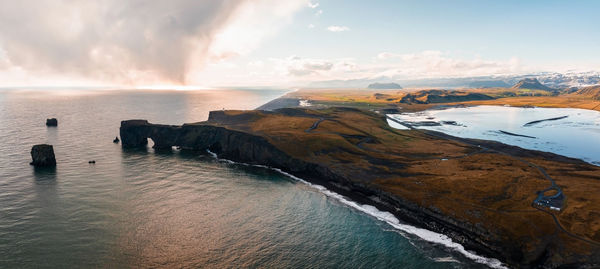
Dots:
{"x": 591, "y": 92}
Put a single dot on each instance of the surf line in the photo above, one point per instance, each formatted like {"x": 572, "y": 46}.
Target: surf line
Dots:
{"x": 384, "y": 216}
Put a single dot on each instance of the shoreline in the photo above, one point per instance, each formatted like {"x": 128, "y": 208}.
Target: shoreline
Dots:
{"x": 382, "y": 215}
{"x": 352, "y": 199}
{"x": 356, "y": 197}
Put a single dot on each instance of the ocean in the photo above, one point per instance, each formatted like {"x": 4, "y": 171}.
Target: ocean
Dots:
{"x": 141, "y": 208}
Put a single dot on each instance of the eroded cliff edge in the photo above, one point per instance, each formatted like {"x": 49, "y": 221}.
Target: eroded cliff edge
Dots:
{"x": 480, "y": 198}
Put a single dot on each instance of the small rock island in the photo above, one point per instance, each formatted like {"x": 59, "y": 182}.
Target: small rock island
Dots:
{"x": 53, "y": 122}
{"x": 43, "y": 156}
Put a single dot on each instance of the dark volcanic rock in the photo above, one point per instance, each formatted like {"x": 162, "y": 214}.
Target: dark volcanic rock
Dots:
{"x": 227, "y": 143}
{"x": 52, "y": 122}
{"x": 43, "y": 155}
{"x": 133, "y": 133}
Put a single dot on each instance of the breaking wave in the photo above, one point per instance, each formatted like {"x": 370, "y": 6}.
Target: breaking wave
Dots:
{"x": 386, "y": 217}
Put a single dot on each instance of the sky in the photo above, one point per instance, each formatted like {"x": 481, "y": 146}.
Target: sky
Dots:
{"x": 210, "y": 43}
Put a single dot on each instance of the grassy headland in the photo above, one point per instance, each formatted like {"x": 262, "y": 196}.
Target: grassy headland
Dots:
{"x": 484, "y": 185}
{"x": 479, "y": 191}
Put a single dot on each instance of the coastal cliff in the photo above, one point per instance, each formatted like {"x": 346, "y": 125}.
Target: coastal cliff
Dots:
{"x": 429, "y": 180}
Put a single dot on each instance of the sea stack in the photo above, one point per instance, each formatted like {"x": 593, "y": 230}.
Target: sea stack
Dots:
{"x": 43, "y": 155}
{"x": 52, "y": 122}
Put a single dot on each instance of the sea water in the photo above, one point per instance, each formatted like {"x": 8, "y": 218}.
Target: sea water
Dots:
{"x": 141, "y": 208}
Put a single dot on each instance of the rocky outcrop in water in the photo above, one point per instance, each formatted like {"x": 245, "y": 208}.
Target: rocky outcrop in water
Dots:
{"x": 43, "y": 155}
{"x": 230, "y": 144}
{"x": 52, "y": 122}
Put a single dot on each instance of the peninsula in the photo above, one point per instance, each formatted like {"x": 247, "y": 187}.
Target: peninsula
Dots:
{"x": 526, "y": 208}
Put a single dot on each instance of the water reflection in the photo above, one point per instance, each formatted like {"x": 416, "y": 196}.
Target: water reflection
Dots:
{"x": 576, "y": 135}
{"x": 43, "y": 174}
{"x": 144, "y": 208}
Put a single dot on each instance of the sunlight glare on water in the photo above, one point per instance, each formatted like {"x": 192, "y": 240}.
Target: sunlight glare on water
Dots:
{"x": 140, "y": 208}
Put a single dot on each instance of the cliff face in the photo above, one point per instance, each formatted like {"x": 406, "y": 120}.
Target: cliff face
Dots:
{"x": 480, "y": 199}
{"x": 253, "y": 149}
{"x": 229, "y": 144}
{"x": 43, "y": 155}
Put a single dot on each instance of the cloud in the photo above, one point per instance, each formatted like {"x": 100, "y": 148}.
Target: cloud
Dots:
{"x": 335, "y": 28}
{"x": 4, "y": 62}
{"x": 319, "y": 12}
{"x": 313, "y": 5}
{"x": 132, "y": 41}
{"x": 310, "y": 68}
{"x": 426, "y": 64}
{"x": 302, "y": 67}
{"x": 295, "y": 71}
{"x": 437, "y": 64}
{"x": 387, "y": 55}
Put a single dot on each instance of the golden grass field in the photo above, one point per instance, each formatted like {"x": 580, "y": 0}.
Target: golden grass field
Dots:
{"x": 376, "y": 99}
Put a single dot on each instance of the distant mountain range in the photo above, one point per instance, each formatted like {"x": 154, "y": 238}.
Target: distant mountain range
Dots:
{"x": 488, "y": 84}
{"x": 389, "y": 85}
{"x": 559, "y": 81}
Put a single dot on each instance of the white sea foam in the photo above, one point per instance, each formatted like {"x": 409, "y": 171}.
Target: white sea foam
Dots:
{"x": 446, "y": 259}
{"x": 388, "y": 218}
{"x": 214, "y": 155}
